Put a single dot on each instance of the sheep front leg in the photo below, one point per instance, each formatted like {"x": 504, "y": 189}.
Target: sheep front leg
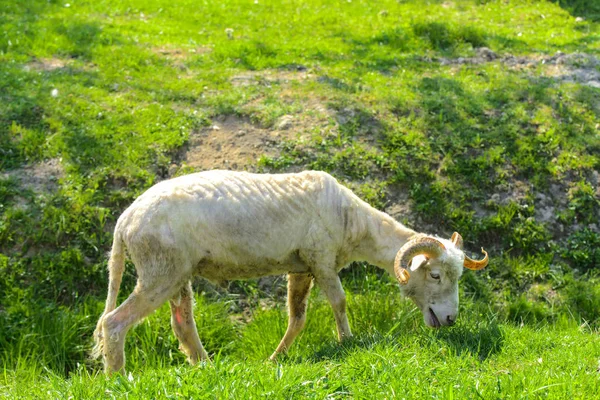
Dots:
{"x": 330, "y": 284}
{"x": 184, "y": 326}
{"x": 298, "y": 289}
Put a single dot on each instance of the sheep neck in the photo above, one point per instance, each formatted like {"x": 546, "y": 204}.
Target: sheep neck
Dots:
{"x": 380, "y": 238}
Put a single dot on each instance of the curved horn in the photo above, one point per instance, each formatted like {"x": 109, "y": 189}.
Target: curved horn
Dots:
{"x": 428, "y": 246}
{"x": 476, "y": 265}
{"x": 457, "y": 240}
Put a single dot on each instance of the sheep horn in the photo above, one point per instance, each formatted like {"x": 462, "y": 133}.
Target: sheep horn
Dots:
{"x": 427, "y": 246}
{"x": 476, "y": 265}
{"x": 457, "y": 240}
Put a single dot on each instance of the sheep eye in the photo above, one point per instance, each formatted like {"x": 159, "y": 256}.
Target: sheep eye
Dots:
{"x": 434, "y": 275}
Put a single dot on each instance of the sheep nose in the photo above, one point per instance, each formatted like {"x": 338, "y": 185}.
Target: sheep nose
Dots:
{"x": 450, "y": 321}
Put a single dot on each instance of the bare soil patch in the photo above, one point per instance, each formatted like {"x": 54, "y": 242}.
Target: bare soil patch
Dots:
{"x": 178, "y": 57}
{"x": 40, "y": 177}
{"x": 46, "y": 64}
{"x": 575, "y": 67}
{"x": 232, "y": 142}
{"x": 49, "y": 65}
{"x": 401, "y": 206}
{"x": 173, "y": 53}
{"x": 271, "y": 76}
{"x": 236, "y": 142}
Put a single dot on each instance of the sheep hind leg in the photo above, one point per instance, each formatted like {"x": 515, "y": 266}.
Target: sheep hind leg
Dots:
{"x": 144, "y": 300}
{"x": 298, "y": 289}
{"x": 184, "y": 326}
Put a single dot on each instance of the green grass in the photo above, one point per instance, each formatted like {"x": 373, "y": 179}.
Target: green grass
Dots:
{"x": 393, "y": 353}
{"x": 111, "y": 92}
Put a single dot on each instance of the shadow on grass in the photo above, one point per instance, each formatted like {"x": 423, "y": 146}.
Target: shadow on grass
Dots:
{"x": 25, "y": 103}
{"x": 442, "y": 36}
{"x": 26, "y": 85}
{"x": 478, "y": 341}
{"x": 82, "y": 37}
{"x": 392, "y": 49}
{"x": 588, "y": 9}
{"x": 482, "y": 342}
{"x": 334, "y": 350}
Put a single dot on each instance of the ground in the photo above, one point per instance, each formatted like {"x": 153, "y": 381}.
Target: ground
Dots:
{"x": 481, "y": 117}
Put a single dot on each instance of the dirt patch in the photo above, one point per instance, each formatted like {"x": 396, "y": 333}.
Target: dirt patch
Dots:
{"x": 575, "y": 67}
{"x": 233, "y": 142}
{"x": 518, "y": 192}
{"x": 173, "y": 54}
{"x": 588, "y": 77}
{"x": 46, "y": 64}
{"x": 236, "y": 142}
{"x": 179, "y": 57}
{"x": 40, "y": 177}
{"x": 179, "y": 54}
{"x": 49, "y": 65}
{"x": 401, "y": 206}
{"x": 271, "y": 76}
{"x": 548, "y": 205}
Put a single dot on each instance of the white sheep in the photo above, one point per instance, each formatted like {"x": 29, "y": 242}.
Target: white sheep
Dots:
{"x": 225, "y": 225}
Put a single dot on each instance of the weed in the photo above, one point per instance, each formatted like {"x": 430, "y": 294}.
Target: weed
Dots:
{"x": 583, "y": 250}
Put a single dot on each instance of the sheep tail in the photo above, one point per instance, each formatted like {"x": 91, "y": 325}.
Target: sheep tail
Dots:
{"x": 116, "y": 266}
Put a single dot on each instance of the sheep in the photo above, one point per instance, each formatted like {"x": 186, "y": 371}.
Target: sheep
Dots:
{"x": 225, "y": 225}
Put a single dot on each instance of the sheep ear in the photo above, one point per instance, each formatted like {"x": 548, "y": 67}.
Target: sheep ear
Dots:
{"x": 418, "y": 261}
{"x": 457, "y": 240}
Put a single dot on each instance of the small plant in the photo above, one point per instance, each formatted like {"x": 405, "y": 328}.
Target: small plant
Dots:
{"x": 522, "y": 310}
{"x": 443, "y": 37}
{"x": 583, "y": 298}
{"x": 583, "y": 250}
{"x": 584, "y": 203}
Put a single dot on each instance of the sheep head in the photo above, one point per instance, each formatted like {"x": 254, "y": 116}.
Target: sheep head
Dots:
{"x": 435, "y": 267}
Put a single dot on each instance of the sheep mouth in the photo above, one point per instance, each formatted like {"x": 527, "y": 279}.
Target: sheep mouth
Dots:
{"x": 434, "y": 319}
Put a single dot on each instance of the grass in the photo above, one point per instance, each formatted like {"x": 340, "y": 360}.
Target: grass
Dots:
{"x": 508, "y": 155}
{"x": 394, "y": 354}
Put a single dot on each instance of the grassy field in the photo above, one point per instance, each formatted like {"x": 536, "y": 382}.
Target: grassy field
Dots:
{"x": 477, "y": 116}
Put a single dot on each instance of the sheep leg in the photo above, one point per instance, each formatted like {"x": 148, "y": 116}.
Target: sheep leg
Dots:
{"x": 330, "y": 284}
{"x": 115, "y": 325}
{"x": 298, "y": 289}
{"x": 184, "y": 326}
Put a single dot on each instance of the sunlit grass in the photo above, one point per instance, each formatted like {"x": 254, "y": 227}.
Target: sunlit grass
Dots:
{"x": 392, "y": 353}
{"x": 111, "y": 91}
